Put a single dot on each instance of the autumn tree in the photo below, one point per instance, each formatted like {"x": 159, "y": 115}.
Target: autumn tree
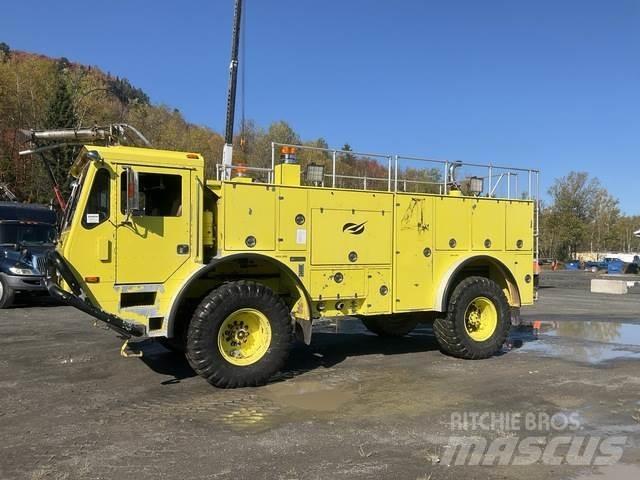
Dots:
{"x": 5, "y": 52}
{"x": 348, "y": 158}
{"x": 61, "y": 114}
{"x": 583, "y": 215}
{"x": 40, "y": 92}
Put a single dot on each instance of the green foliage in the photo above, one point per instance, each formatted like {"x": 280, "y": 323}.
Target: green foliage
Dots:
{"x": 39, "y": 92}
{"x": 584, "y": 216}
{"x": 122, "y": 89}
{"x": 420, "y": 180}
{"x": 282, "y": 132}
{"x": 61, "y": 114}
{"x": 348, "y": 158}
{"x": 5, "y": 52}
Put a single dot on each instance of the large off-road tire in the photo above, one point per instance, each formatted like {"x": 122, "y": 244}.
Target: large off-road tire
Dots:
{"x": 477, "y": 321}
{"x": 7, "y": 295}
{"x": 389, "y": 326}
{"x": 240, "y": 335}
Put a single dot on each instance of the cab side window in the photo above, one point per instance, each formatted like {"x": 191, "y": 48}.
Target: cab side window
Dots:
{"x": 160, "y": 194}
{"x": 97, "y": 209}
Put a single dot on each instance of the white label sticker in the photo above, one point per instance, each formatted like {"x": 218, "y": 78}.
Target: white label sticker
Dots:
{"x": 301, "y": 236}
{"x": 93, "y": 218}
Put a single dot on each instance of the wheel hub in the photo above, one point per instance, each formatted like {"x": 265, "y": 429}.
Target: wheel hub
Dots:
{"x": 236, "y": 333}
{"x": 244, "y": 337}
{"x": 481, "y": 319}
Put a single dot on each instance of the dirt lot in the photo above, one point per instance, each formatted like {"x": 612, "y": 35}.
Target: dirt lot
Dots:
{"x": 350, "y": 406}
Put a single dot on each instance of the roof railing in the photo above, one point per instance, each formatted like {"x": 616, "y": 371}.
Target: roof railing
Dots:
{"x": 407, "y": 173}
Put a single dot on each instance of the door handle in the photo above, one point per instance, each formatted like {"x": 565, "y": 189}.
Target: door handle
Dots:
{"x": 183, "y": 249}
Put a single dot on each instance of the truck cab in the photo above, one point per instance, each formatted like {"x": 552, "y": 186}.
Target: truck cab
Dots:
{"x": 27, "y": 233}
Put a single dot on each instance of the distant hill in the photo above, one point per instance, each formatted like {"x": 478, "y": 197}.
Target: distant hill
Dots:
{"x": 42, "y": 92}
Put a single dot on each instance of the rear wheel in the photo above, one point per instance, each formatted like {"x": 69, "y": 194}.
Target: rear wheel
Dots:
{"x": 7, "y": 295}
{"x": 477, "y": 321}
{"x": 240, "y": 335}
{"x": 388, "y": 326}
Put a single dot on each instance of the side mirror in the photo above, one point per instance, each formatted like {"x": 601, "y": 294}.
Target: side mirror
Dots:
{"x": 93, "y": 156}
{"x": 133, "y": 193}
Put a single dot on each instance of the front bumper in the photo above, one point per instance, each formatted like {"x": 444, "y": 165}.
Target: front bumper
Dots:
{"x": 56, "y": 265}
{"x": 26, "y": 283}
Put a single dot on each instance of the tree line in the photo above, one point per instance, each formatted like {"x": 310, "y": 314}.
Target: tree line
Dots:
{"x": 39, "y": 92}
{"x": 583, "y": 216}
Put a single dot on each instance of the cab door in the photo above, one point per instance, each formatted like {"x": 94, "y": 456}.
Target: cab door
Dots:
{"x": 89, "y": 246}
{"x": 153, "y": 243}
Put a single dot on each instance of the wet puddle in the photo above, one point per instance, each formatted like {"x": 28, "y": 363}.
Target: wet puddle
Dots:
{"x": 308, "y": 395}
{"x": 587, "y": 341}
{"x": 608, "y": 332}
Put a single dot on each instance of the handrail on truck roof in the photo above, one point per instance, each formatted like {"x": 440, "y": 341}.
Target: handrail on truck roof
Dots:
{"x": 404, "y": 171}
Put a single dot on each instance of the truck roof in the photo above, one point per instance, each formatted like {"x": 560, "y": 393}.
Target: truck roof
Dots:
{"x": 26, "y": 212}
{"x": 149, "y": 156}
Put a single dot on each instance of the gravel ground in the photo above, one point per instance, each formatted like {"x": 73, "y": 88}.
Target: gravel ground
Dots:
{"x": 349, "y": 406}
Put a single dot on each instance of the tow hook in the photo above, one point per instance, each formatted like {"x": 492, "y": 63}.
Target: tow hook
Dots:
{"x": 127, "y": 350}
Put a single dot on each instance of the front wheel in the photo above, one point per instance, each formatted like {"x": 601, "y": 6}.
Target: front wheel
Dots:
{"x": 7, "y": 294}
{"x": 240, "y": 335}
{"x": 477, "y": 321}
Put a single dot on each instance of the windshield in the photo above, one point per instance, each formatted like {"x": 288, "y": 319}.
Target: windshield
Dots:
{"x": 73, "y": 200}
{"x": 22, "y": 233}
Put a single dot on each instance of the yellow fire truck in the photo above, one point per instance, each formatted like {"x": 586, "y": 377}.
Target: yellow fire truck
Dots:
{"x": 229, "y": 271}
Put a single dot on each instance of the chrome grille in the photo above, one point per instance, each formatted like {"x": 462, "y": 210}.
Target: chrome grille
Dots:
{"x": 40, "y": 263}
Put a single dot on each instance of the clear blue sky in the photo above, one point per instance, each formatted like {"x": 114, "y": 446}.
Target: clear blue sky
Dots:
{"x": 550, "y": 84}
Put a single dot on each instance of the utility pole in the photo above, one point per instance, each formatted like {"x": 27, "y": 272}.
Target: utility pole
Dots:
{"x": 227, "y": 152}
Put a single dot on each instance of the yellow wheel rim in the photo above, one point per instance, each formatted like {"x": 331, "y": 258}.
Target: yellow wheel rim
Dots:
{"x": 244, "y": 337}
{"x": 481, "y": 319}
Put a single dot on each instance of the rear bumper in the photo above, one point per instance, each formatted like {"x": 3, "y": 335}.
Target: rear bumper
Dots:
{"x": 26, "y": 283}
{"x": 56, "y": 265}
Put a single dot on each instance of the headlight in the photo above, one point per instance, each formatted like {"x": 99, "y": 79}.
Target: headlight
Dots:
{"x": 16, "y": 270}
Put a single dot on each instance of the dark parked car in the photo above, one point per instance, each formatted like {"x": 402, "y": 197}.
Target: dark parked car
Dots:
{"x": 27, "y": 232}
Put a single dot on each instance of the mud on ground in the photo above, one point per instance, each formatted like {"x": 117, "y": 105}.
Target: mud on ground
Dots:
{"x": 350, "y": 406}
